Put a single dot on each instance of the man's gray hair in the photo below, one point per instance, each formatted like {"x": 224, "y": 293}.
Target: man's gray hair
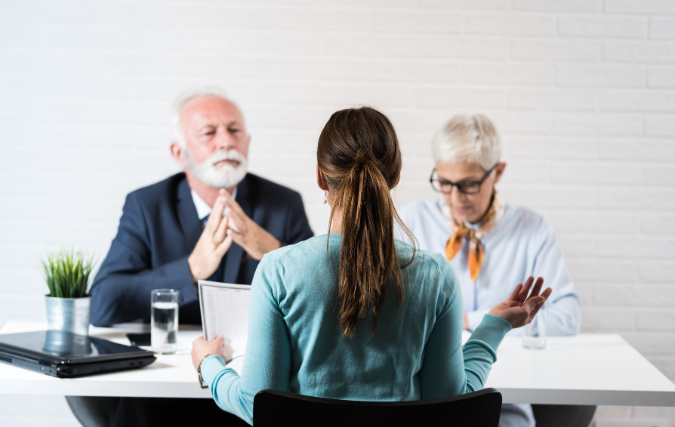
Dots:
{"x": 184, "y": 98}
{"x": 472, "y": 139}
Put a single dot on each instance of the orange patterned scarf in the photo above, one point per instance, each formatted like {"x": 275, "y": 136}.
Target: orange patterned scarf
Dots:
{"x": 462, "y": 231}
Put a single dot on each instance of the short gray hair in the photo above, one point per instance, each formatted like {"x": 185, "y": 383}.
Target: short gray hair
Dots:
{"x": 472, "y": 139}
{"x": 184, "y": 98}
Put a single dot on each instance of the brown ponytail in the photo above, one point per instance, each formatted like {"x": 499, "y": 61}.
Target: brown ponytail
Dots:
{"x": 359, "y": 156}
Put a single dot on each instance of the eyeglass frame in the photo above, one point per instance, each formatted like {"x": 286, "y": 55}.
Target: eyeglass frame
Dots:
{"x": 455, "y": 184}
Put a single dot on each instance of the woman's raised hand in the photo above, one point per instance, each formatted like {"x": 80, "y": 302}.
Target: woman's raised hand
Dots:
{"x": 519, "y": 309}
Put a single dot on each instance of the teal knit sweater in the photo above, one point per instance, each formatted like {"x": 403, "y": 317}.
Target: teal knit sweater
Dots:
{"x": 295, "y": 342}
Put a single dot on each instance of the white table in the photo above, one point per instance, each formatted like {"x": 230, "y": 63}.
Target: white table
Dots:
{"x": 588, "y": 369}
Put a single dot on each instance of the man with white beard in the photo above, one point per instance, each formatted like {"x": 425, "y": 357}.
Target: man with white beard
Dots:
{"x": 168, "y": 236}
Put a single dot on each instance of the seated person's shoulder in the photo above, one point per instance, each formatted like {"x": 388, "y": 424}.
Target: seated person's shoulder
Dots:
{"x": 302, "y": 253}
{"x": 158, "y": 193}
{"x": 429, "y": 267}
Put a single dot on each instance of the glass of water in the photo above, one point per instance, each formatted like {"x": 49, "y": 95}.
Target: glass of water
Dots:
{"x": 534, "y": 334}
{"x": 164, "y": 321}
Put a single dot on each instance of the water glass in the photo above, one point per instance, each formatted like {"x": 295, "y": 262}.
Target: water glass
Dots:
{"x": 164, "y": 321}
{"x": 534, "y": 334}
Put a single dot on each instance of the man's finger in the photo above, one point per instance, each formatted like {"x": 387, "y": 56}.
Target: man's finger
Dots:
{"x": 237, "y": 237}
{"x": 238, "y": 216}
{"x": 219, "y": 207}
{"x": 231, "y": 224}
{"x": 236, "y": 219}
{"x": 229, "y": 201}
{"x": 224, "y": 246}
{"x": 216, "y": 215}
{"x": 219, "y": 235}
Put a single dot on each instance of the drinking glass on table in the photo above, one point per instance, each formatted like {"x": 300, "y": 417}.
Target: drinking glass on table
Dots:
{"x": 534, "y": 334}
{"x": 164, "y": 320}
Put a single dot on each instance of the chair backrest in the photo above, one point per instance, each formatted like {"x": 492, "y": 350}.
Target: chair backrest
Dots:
{"x": 275, "y": 408}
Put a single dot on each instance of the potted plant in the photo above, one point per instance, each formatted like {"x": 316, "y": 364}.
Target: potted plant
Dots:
{"x": 68, "y": 303}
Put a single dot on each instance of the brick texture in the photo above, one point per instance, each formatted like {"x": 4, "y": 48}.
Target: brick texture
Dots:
{"x": 582, "y": 92}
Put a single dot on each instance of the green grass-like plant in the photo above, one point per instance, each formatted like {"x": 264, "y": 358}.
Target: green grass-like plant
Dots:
{"x": 66, "y": 272}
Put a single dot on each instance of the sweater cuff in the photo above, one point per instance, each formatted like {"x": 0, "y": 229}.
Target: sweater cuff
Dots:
{"x": 491, "y": 330}
{"x": 211, "y": 367}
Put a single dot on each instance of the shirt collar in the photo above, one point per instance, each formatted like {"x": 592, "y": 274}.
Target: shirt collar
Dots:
{"x": 203, "y": 209}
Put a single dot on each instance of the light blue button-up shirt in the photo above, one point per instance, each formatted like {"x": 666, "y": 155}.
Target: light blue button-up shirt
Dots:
{"x": 522, "y": 244}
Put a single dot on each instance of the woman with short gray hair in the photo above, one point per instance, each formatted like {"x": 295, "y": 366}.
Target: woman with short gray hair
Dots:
{"x": 489, "y": 243}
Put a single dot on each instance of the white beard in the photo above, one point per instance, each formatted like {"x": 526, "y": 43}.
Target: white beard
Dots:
{"x": 224, "y": 177}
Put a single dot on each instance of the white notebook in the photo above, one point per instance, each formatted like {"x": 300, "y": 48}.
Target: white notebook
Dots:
{"x": 225, "y": 312}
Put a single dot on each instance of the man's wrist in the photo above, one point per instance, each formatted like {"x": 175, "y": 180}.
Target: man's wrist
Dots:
{"x": 192, "y": 274}
{"x": 192, "y": 268}
{"x": 272, "y": 244}
{"x": 268, "y": 244}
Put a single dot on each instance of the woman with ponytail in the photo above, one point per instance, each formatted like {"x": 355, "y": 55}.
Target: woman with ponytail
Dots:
{"x": 356, "y": 314}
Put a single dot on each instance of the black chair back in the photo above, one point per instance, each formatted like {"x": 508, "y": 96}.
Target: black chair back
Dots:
{"x": 276, "y": 408}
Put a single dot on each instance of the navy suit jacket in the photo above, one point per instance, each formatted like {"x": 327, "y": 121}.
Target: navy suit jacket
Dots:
{"x": 159, "y": 229}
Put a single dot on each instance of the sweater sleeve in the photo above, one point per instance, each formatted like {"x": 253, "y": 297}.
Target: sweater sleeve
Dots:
{"x": 448, "y": 369}
{"x": 267, "y": 364}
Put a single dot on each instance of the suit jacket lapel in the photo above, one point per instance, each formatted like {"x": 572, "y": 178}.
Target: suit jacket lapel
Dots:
{"x": 187, "y": 214}
{"x": 236, "y": 252}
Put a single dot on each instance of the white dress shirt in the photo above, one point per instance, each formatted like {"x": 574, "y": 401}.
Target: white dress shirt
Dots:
{"x": 203, "y": 208}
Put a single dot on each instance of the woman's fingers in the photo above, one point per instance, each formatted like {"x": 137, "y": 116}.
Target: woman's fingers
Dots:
{"x": 525, "y": 289}
{"x": 534, "y": 304}
{"x": 516, "y": 292}
{"x": 537, "y": 287}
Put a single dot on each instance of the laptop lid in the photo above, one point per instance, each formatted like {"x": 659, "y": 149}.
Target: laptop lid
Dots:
{"x": 65, "y": 351}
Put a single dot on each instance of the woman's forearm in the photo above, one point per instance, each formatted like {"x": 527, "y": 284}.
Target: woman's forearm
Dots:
{"x": 225, "y": 388}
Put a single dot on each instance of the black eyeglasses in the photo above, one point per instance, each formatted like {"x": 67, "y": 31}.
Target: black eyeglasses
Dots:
{"x": 465, "y": 186}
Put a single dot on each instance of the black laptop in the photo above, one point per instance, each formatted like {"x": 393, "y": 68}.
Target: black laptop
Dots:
{"x": 67, "y": 355}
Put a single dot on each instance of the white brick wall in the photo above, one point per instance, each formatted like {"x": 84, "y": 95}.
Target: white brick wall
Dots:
{"x": 583, "y": 93}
